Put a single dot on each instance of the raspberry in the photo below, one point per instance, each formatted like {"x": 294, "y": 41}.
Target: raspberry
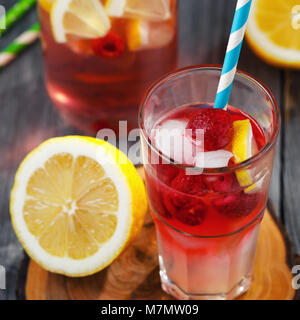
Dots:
{"x": 237, "y": 205}
{"x": 191, "y": 216}
{"x": 217, "y": 126}
{"x": 191, "y": 184}
{"x": 174, "y": 201}
{"x": 109, "y": 47}
{"x": 187, "y": 210}
{"x": 165, "y": 172}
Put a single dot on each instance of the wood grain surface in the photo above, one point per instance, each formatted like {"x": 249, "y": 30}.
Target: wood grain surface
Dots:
{"x": 134, "y": 275}
{"x": 291, "y": 156}
{"x": 27, "y": 117}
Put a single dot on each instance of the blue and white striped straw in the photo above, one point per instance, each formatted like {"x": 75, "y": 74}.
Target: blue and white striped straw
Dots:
{"x": 233, "y": 53}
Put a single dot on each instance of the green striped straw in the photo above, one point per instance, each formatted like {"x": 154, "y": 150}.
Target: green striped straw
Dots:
{"x": 15, "y": 13}
{"x": 20, "y": 43}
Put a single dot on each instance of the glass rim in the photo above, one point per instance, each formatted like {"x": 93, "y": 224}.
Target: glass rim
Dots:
{"x": 173, "y": 75}
{"x": 229, "y": 234}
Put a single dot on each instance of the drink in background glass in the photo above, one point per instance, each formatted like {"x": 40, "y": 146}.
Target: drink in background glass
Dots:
{"x": 94, "y": 83}
{"x": 207, "y": 219}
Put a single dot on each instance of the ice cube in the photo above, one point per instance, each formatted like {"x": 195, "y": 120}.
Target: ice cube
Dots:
{"x": 142, "y": 34}
{"x": 171, "y": 140}
{"x": 213, "y": 159}
{"x": 153, "y": 10}
{"x": 160, "y": 34}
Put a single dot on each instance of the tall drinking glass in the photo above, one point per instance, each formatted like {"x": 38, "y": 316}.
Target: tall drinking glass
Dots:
{"x": 207, "y": 232}
{"x": 95, "y": 82}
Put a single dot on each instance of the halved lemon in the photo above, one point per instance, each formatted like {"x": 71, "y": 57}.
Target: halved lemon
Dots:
{"x": 83, "y": 18}
{"x": 76, "y": 203}
{"x": 274, "y": 31}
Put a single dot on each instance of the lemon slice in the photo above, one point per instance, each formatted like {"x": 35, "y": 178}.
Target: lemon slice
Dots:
{"x": 274, "y": 31}
{"x": 242, "y": 140}
{"x": 76, "y": 204}
{"x": 84, "y": 18}
{"x": 242, "y": 148}
{"x": 46, "y": 4}
{"x": 154, "y": 10}
{"x": 137, "y": 34}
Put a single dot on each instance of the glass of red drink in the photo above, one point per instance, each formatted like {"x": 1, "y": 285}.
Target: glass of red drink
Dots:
{"x": 207, "y": 213}
{"x": 95, "y": 82}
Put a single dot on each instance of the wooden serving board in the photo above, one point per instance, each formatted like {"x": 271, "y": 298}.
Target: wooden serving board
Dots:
{"x": 134, "y": 275}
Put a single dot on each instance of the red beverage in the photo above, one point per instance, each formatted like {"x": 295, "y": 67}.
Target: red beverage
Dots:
{"x": 206, "y": 204}
{"x": 94, "y": 83}
{"x": 206, "y": 192}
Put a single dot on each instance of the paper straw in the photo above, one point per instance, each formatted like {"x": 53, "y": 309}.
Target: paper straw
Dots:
{"x": 16, "y": 12}
{"x": 20, "y": 43}
{"x": 233, "y": 53}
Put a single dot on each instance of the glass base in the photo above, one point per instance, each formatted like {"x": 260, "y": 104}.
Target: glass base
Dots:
{"x": 172, "y": 289}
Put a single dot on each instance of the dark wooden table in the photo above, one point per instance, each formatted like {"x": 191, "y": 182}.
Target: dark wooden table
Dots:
{"x": 27, "y": 117}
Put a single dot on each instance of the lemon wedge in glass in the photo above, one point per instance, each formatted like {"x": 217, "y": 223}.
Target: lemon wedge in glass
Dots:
{"x": 242, "y": 148}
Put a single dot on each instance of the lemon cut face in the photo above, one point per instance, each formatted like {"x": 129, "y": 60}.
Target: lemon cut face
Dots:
{"x": 68, "y": 202}
{"x": 82, "y": 18}
{"x": 75, "y": 211}
{"x": 274, "y": 31}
